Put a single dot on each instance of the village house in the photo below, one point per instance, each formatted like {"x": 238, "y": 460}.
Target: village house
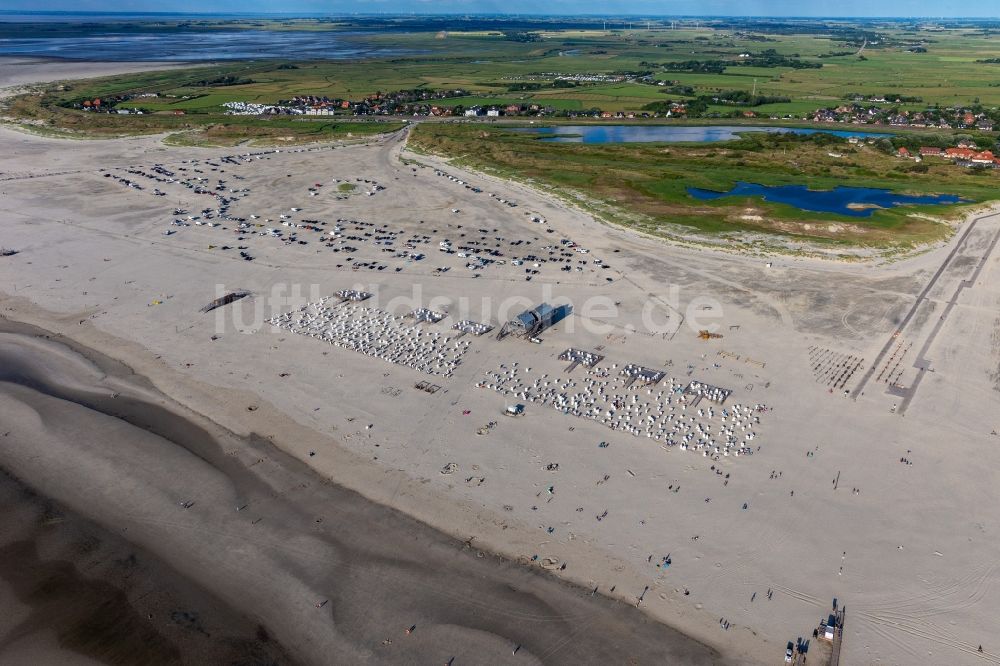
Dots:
{"x": 970, "y": 156}
{"x": 960, "y": 153}
{"x": 985, "y": 157}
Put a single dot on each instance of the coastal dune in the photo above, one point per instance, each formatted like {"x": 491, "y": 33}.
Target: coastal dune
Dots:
{"x": 295, "y": 568}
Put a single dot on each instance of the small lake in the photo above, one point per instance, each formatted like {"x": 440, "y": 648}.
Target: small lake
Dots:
{"x": 852, "y": 201}
{"x": 668, "y": 133}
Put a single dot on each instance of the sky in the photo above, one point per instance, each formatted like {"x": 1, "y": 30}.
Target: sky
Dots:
{"x": 826, "y": 8}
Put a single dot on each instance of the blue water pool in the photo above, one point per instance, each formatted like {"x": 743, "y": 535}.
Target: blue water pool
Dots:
{"x": 852, "y": 201}
{"x": 668, "y": 133}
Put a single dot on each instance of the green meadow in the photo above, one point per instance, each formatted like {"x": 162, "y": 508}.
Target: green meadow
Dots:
{"x": 487, "y": 65}
{"x": 641, "y": 185}
{"x": 645, "y": 185}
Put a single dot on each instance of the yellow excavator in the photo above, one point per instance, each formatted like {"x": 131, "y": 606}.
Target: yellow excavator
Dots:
{"x": 705, "y": 334}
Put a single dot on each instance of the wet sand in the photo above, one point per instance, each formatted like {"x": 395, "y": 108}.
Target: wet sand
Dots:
{"x": 103, "y": 532}
{"x": 74, "y": 592}
{"x": 22, "y": 70}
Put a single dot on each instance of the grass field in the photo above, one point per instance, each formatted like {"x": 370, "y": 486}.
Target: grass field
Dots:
{"x": 645, "y": 185}
{"x": 486, "y": 64}
{"x": 818, "y": 68}
{"x": 198, "y": 129}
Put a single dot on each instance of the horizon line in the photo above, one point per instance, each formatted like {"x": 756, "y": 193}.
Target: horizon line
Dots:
{"x": 68, "y": 12}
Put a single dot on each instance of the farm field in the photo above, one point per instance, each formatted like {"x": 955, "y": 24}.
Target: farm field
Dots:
{"x": 810, "y": 70}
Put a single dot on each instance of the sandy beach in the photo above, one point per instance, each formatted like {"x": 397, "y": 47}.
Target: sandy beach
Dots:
{"x": 856, "y": 467}
{"x": 269, "y": 537}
